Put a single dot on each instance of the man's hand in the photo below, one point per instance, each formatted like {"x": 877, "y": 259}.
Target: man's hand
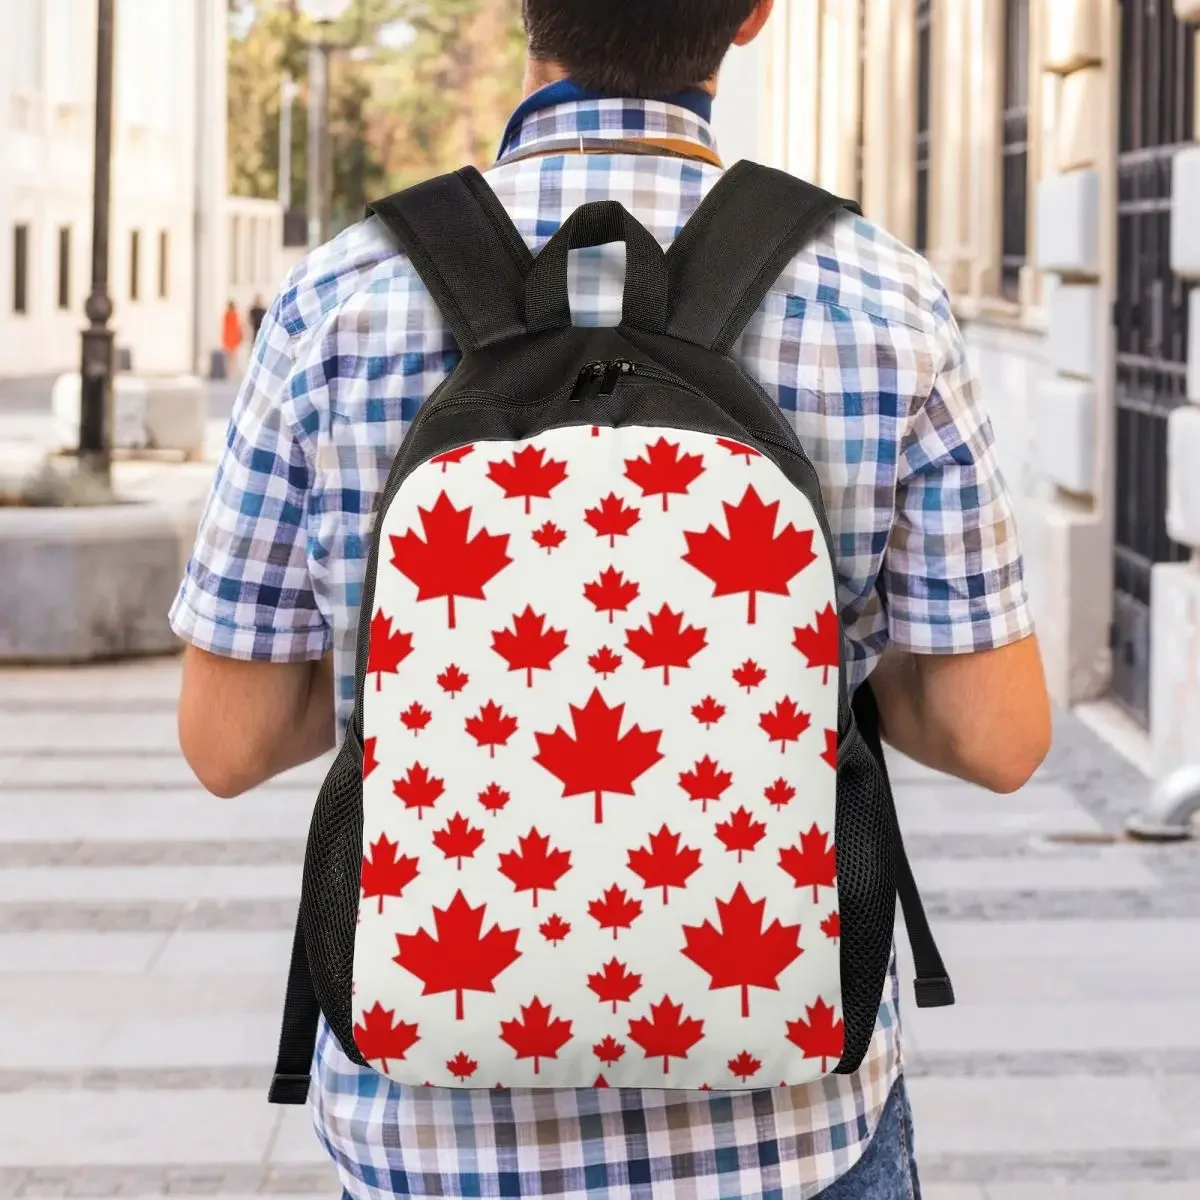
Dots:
{"x": 983, "y": 717}
{"x": 241, "y": 723}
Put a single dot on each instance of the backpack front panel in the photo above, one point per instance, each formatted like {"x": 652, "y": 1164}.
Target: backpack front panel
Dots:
{"x": 599, "y": 714}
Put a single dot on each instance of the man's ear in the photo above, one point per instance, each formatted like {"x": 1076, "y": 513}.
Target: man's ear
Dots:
{"x": 752, "y": 26}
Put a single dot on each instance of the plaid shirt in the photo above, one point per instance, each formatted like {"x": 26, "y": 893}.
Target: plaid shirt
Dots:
{"x": 858, "y": 346}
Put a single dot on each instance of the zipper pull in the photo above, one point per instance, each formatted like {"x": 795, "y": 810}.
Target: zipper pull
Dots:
{"x": 614, "y": 371}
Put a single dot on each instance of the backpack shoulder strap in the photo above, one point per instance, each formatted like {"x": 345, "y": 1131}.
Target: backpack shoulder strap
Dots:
{"x": 464, "y": 246}
{"x": 728, "y": 256}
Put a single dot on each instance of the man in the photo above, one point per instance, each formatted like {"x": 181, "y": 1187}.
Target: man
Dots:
{"x": 858, "y": 346}
{"x": 231, "y": 337}
{"x": 257, "y": 313}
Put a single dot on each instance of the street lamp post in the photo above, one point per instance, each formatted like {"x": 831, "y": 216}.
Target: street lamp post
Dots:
{"x": 96, "y": 363}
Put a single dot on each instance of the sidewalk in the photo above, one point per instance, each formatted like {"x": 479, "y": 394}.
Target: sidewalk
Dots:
{"x": 144, "y": 935}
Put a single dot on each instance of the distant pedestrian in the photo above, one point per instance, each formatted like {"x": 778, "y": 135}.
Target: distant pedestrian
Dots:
{"x": 231, "y": 336}
{"x": 257, "y": 312}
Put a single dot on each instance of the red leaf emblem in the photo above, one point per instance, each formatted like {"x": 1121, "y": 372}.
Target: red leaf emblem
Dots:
{"x": 738, "y": 449}
{"x": 461, "y": 958}
{"x": 494, "y": 798}
{"x": 381, "y": 1038}
{"x": 370, "y": 762}
{"x": 779, "y": 793}
{"x": 529, "y": 476}
{"x": 820, "y": 642}
{"x": 611, "y": 592}
{"x": 665, "y": 863}
{"x": 614, "y": 984}
{"x": 529, "y": 645}
{"x": 612, "y": 518}
{"x": 549, "y": 537}
{"x": 415, "y": 717}
{"x": 604, "y": 662}
{"x": 446, "y": 563}
{"x": 753, "y": 558}
{"x": 749, "y": 675}
{"x": 812, "y": 864}
{"x": 615, "y": 910}
{"x": 534, "y": 866}
{"x": 829, "y": 754}
{"x": 452, "y": 681}
{"x": 819, "y": 1037}
{"x": 741, "y": 832}
{"x": 462, "y": 1067}
{"x": 491, "y": 727}
{"x": 609, "y": 1051}
{"x": 600, "y": 1081}
{"x": 418, "y": 789}
{"x": 459, "y": 839}
{"x": 742, "y": 953}
{"x": 744, "y": 1065}
{"x": 386, "y": 650}
{"x": 785, "y": 723}
{"x": 452, "y": 456}
{"x": 664, "y": 642}
{"x": 667, "y": 1034}
{"x": 554, "y": 929}
{"x": 705, "y": 782}
{"x": 831, "y": 927}
{"x": 663, "y": 471}
{"x": 708, "y": 712}
{"x": 536, "y": 1035}
{"x": 599, "y": 758}
{"x": 383, "y": 874}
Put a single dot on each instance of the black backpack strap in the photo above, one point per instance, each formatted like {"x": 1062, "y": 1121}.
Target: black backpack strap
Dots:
{"x": 298, "y": 1034}
{"x": 931, "y": 985}
{"x": 728, "y": 256}
{"x": 464, "y": 246}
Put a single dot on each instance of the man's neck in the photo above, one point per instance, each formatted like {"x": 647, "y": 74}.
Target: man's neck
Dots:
{"x": 541, "y": 74}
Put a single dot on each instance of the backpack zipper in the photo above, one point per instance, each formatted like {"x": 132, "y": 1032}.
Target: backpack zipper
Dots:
{"x": 600, "y": 378}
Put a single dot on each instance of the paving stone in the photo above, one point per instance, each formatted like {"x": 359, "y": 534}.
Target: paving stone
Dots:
{"x": 226, "y": 953}
{"x": 950, "y": 1191}
{"x": 50, "y": 884}
{"x": 109, "y": 773}
{"x": 1142, "y": 1190}
{"x": 960, "y": 808}
{"x": 45, "y": 951}
{"x": 166, "y": 853}
{"x": 53, "y": 1042}
{"x": 106, "y": 732}
{"x": 1124, "y": 944}
{"x": 296, "y": 1141}
{"x": 171, "y": 1041}
{"x": 1114, "y": 869}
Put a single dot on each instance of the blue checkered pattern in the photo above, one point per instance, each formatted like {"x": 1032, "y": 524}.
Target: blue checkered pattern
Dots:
{"x": 858, "y": 346}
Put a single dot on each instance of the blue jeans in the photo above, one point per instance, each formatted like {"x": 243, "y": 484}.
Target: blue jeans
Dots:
{"x": 887, "y": 1170}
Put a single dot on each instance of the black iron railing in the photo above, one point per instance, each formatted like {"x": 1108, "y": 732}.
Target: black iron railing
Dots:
{"x": 1014, "y": 185}
{"x": 924, "y": 81}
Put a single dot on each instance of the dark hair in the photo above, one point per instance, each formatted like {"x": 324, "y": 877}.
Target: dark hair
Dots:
{"x": 636, "y": 48}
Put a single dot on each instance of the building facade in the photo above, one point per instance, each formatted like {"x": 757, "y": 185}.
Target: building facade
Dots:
{"x": 1043, "y": 155}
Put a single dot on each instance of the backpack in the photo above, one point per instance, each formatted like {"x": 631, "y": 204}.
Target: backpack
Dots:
{"x": 605, "y": 813}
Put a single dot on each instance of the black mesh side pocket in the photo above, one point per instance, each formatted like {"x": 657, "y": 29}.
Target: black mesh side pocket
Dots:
{"x": 866, "y": 877}
{"x": 329, "y": 893}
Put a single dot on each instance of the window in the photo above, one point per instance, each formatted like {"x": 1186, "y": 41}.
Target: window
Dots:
{"x": 1014, "y": 147}
{"x": 64, "y": 266}
{"x": 135, "y": 264}
{"x": 164, "y": 264}
{"x": 924, "y": 72}
{"x": 20, "y": 297}
{"x": 252, "y": 249}
{"x": 235, "y": 236}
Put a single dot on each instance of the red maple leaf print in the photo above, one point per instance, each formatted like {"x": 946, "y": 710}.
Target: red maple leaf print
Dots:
{"x": 742, "y": 953}
{"x": 667, "y": 1033}
{"x": 665, "y": 642}
{"x": 604, "y": 662}
{"x": 386, "y": 650}
{"x": 494, "y": 798}
{"x": 609, "y": 1051}
{"x": 705, "y": 781}
{"x": 749, "y": 675}
{"x": 612, "y": 518}
{"x": 415, "y": 717}
{"x": 529, "y": 645}
{"x": 611, "y": 592}
{"x": 663, "y": 471}
{"x": 741, "y": 832}
{"x": 830, "y": 753}
{"x": 753, "y": 558}
{"x": 418, "y": 789}
{"x": 812, "y": 864}
{"x": 458, "y": 839}
{"x": 554, "y": 929}
{"x": 599, "y": 758}
{"x": 462, "y": 1067}
{"x": 383, "y": 874}
{"x": 447, "y": 563}
{"x": 821, "y": 642}
{"x": 491, "y": 727}
{"x": 615, "y": 910}
{"x": 708, "y": 712}
{"x": 529, "y": 476}
{"x": 819, "y": 1036}
{"x": 785, "y": 723}
{"x": 549, "y": 537}
{"x": 536, "y": 1035}
{"x": 831, "y": 927}
{"x": 744, "y": 1065}
{"x": 461, "y": 958}
{"x": 614, "y": 983}
{"x": 381, "y": 1038}
{"x": 665, "y": 863}
{"x": 779, "y": 793}
{"x": 534, "y": 866}
{"x": 452, "y": 680}
{"x": 370, "y": 762}
{"x": 738, "y": 449}
{"x": 452, "y": 456}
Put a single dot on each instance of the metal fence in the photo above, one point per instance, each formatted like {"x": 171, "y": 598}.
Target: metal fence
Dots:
{"x": 1150, "y": 314}
{"x": 1014, "y": 184}
{"x": 924, "y": 73}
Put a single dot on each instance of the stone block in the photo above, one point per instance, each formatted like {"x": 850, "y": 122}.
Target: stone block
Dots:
{"x": 1073, "y": 334}
{"x": 1081, "y": 129}
{"x": 1068, "y": 225}
{"x": 1174, "y": 666}
{"x": 1074, "y": 35}
{"x": 1185, "y": 204}
{"x": 1065, "y": 419}
{"x": 1183, "y": 475}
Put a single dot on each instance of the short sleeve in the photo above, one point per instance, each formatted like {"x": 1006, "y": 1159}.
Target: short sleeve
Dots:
{"x": 953, "y": 576}
{"x": 247, "y": 592}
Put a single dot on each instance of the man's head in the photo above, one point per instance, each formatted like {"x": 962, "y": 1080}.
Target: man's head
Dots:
{"x": 640, "y": 48}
